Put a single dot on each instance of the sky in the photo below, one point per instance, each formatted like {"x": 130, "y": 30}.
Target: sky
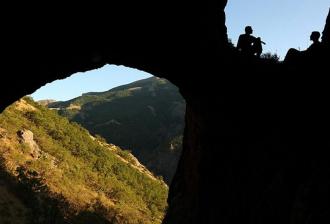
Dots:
{"x": 98, "y": 80}
{"x": 282, "y": 24}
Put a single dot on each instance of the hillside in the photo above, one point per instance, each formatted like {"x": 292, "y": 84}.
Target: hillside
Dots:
{"x": 146, "y": 116}
{"x": 46, "y": 102}
{"x": 54, "y": 171}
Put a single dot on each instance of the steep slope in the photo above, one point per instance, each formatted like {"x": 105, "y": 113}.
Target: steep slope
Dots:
{"x": 146, "y": 117}
{"x": 12, "y": 209}
{"x": 56, "y": 172}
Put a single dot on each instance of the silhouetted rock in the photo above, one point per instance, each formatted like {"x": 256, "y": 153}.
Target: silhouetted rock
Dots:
{"x": 326, "y": 32}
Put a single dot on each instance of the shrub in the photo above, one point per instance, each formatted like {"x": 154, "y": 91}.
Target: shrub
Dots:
{"x": 271, "y": 57}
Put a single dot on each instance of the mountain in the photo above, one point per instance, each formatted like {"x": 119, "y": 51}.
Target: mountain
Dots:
{"x": 146, "y": 116}
{"x": 54, "y": 171}
{"x": 46, "y": 102}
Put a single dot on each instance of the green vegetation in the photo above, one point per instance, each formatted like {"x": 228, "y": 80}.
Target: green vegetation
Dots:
{"x": 274, "y": 58}
{"x": 77, "y": 175}
{"x": 144, "y": 116}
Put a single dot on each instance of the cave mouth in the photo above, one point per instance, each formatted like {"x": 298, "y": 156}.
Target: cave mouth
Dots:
{"x": 163, "y": 119}
{"x": 140, "y": 113}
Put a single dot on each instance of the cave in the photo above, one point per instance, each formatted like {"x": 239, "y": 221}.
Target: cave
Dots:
{"x": 255, "y": 145}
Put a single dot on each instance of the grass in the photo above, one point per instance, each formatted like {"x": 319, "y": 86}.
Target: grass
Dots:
{"x": 84, "y": 176}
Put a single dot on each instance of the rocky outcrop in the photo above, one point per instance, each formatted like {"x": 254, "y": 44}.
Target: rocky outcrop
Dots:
{"x": 26, "y": 137}
{"x": 248, "y": 143}
{"x": 326, "y": 32}
{"x": 254, "y": 140}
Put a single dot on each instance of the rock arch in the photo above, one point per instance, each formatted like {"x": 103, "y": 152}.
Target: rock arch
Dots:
{"x": 245, "y": 144}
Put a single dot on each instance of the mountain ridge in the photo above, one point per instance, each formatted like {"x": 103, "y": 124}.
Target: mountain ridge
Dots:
{"x": 146, "y": 116}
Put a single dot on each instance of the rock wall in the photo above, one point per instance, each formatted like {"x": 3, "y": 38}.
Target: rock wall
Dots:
{"x": 326, "y": 32}
{"x": 255, "y": 132}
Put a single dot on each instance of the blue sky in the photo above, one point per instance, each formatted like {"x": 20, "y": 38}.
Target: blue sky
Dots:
{"x": 282, "y": 24}
{"x": 98, "y": 80}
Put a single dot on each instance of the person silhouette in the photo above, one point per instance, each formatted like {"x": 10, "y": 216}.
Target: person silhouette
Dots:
{"x": 257, "y": 47}
{"x": 294, "y": 56}
{"x": 316, "y": 45}
{"x": 246, "y": 41}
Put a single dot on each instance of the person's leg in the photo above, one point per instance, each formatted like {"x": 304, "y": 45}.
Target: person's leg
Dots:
{"x": 292, "y": 56}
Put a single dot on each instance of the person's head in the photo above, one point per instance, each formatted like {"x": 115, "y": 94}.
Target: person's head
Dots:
{"x": 315, "y": 36}
{"x": 248, "y": 30}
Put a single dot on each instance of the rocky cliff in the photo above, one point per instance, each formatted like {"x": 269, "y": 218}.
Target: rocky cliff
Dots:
{"x": 326, "y": 32}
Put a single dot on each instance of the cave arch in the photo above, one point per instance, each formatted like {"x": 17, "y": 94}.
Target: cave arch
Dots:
{"x": 135, "y": 110}
{"x": 225, "y": 114}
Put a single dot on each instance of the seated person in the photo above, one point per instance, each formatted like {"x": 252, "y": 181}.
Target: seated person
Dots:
{"x": 246, "y": 41}
{"x": 294, "y": 56}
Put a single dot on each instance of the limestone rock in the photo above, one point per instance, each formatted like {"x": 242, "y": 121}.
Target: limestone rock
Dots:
{"x": 26, "y": 136}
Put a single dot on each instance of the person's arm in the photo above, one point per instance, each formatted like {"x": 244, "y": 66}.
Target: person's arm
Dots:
{"x": 310, "y": 48}
{"x": 254, "y": 39}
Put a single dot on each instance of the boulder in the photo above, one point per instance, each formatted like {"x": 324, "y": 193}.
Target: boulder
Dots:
{"x": 26, "y": 137}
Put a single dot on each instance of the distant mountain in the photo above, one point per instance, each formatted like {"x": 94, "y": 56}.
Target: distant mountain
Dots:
{"x": 54, "y": 171}
{"x": 46, "y": 102}
{"x": 146, "y": 116}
